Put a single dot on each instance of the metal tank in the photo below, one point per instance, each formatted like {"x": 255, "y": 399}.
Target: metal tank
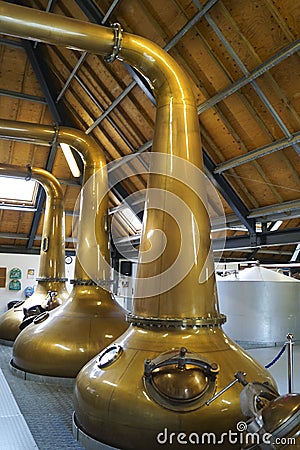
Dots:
{"x": 262, "y": 306}
{"x": 153, "y": 384}
{"x": 51, "y": 276}
{"x": 58, "y": 343}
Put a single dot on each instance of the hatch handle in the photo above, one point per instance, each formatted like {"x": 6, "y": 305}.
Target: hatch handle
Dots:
{"x": 181, "y": 359}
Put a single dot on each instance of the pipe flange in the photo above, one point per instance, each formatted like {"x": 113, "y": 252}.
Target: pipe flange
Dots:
{"x": 189, "y": 322}
{"x": 52, "y": 279}
{"x": 80, "y": 282}
{"x": 117, "y": 44}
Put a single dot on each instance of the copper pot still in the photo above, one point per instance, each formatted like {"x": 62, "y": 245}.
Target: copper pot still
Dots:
{"x": 58, "y": 343}
{"x": 51, "y": 277}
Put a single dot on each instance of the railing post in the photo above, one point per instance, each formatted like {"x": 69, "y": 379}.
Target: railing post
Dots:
{"x": 290, "y": 344}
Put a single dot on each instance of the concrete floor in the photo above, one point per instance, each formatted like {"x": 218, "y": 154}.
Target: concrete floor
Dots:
{"x": 47, "y": 409}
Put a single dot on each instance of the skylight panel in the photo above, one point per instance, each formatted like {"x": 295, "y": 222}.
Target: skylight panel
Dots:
{"x": 132, "y": 221}
{"x": 17, "y": 191}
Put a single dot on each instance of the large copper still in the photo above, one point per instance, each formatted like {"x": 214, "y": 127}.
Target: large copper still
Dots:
{"x": 60, "y": 342}
{"x": 51, "y": 275}
{"x": 156, "y": 381}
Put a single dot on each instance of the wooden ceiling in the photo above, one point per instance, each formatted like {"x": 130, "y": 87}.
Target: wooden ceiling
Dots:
{"x": 242, "y": 57}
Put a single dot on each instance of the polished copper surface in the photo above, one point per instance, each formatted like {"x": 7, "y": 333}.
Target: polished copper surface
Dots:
{"x": 52, "y": 301}
{"x": 114, "y": 398}
{"x": 111, "y": 404}
{"x": 71, "y": 335}
{"x": 52, "y": 261}
{"x": 90, "y": 318}
{"x": 180, "y": 384}
{"x": 277, "y": 424}
{"x": 281, "y": 411}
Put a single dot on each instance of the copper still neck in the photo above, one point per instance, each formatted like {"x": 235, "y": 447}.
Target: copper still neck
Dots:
{"x": 93, "y": 199}
{"x": 52, "y": 256}
{"x": 176, "y": 135}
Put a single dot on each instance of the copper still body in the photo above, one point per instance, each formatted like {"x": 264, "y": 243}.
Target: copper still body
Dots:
{"x": 153, "y": 386}
{"x": 60, "y": 342}
{"x": 51, "y": 277}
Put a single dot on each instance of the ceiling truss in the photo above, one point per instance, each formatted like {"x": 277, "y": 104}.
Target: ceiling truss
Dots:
{"x": 216, "y": 172}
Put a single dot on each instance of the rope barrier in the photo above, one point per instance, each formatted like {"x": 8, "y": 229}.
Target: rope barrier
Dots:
{"x": 267, "y": 366}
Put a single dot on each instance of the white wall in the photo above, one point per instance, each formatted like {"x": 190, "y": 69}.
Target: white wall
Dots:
{"x": 24, "y": 262}
{"x": 126, "y": 288}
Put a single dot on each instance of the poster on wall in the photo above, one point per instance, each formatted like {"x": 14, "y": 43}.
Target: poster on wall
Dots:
{"x": 30, "y": 273}
{"x": 15, "y": 273}
{"x": 14, "y": 285}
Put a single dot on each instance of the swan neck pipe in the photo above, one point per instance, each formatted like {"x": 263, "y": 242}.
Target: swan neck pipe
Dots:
{"x": 52, "y": 256}
{"x": 94, "y": 168}
{"x": 176, "y": 135}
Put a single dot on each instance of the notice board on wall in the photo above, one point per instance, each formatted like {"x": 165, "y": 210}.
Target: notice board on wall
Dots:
{"x": 2, "y": 277}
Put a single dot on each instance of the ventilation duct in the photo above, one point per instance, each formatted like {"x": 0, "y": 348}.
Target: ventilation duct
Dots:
{"x": 51, "y": 275}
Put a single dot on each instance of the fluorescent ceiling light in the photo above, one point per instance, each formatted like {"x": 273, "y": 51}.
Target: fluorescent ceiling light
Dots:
{"x": 276, "y": 225}
{"x": 17, "y": 208}
{"x": 296, "y": 253}
{"x": 70, "y": 160}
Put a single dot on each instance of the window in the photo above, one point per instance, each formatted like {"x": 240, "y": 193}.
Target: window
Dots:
{"x": 131, "y": 220}
{"x": 17, "y": 192}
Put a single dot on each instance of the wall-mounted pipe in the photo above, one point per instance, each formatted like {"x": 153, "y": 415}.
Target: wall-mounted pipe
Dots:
{"x": 148, "y": 381}
{"x": 51, "y": 276}
{"x": 90, "y": 309}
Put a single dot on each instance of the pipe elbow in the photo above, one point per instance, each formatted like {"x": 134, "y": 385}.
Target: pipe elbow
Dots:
{"x": 84, "y": 144}
{"x": 49, "y": 183}
{"x": 167, "y": 79}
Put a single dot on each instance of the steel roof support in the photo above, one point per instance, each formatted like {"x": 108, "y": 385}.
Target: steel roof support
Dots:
{"x": 59, "y": 117}
{"x": 259, "y": 152}
{"x": 111, "y": 106}
{"x": 22, "y": 96}
{"x": 111, "y": 121}
{"x": 229, "y": 195}
{"x": 266, "y": 211}
{"x": 84, "y": 54}
{"x": 11, "y": 42}
{"x": 258, "y": 71}
{"x": 265, "y": 239}
{"x": 245, "y": 71}
{"x": 89, "y": 9}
